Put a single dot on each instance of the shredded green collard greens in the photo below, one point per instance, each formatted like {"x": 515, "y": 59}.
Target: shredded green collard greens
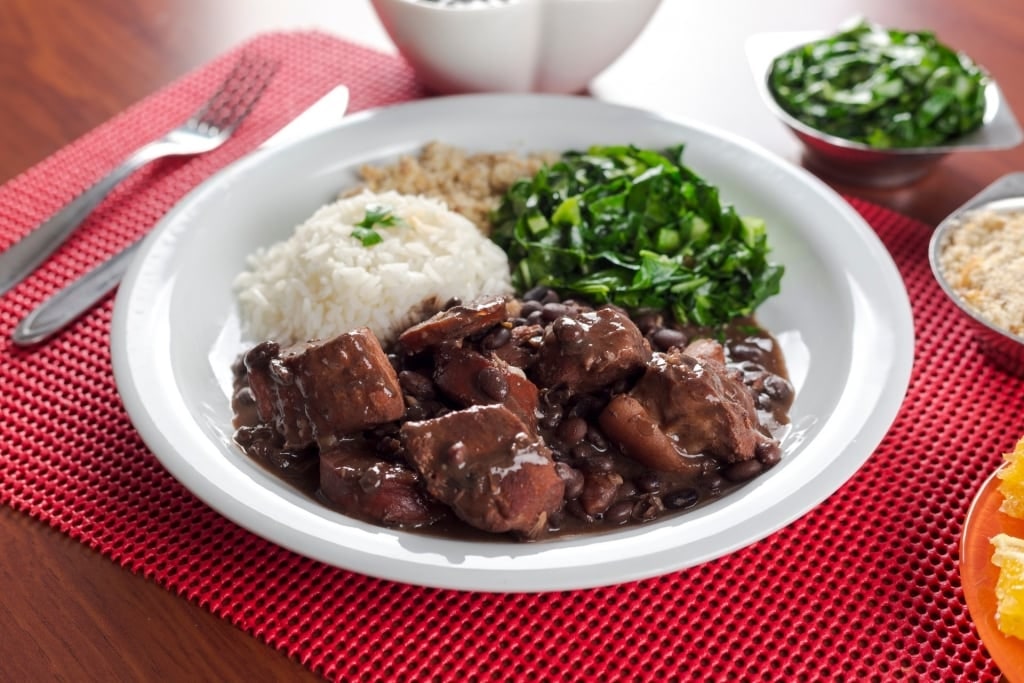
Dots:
{"x": 885, "y": 88}
{"x": 638, "y": 229}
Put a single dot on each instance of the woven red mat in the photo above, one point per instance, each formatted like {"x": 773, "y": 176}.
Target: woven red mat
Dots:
{"x": 866, "y": 586}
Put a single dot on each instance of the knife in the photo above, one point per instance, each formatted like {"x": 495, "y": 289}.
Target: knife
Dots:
{"x": 68, "y": 304}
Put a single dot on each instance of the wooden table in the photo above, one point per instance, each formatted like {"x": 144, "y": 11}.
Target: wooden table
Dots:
{"x": 67, "y": 66}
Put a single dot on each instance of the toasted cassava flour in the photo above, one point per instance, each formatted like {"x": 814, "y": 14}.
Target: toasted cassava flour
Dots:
{"x": 983, "y": 261}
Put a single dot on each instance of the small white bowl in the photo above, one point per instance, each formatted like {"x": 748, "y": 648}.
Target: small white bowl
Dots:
{"x": 550, "y": 46}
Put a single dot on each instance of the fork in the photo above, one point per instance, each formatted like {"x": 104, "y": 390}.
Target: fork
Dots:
{"x": 208, "y": 128}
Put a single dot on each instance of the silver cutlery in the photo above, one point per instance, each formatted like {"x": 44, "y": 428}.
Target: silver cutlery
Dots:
{"x": 208, "y": 128}
{"x": 78, "y": 297}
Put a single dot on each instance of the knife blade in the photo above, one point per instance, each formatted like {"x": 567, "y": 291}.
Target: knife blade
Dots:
{"x": 69, "y": 303}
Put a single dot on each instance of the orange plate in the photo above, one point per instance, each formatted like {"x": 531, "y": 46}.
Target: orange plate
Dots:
{"x": 978, "y": 576}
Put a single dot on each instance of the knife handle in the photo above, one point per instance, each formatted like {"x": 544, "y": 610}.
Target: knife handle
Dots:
{"x": 69, "y": 303}
{"x": 20, "y": 259}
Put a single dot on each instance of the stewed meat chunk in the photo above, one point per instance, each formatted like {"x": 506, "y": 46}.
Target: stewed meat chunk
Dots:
{"x": 689, "y": 405}
{"x": 706, "y": 349}
{"x": 454, "y": 323}
{"x": 324, "y": 390}
{"x": 363, "y": 485}
{"x": 517, "y": 346}
{"x": 470, "y": 378}
{"x": 485, "y": 463}
{"x": 636, "y": 429}
{"x": 279, "y": 402}
{"x": 590, "y": 350}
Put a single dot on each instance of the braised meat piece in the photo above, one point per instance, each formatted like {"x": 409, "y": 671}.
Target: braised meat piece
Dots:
{"x": 454, "y": 323}
{"x": 279, "y": 402}
{"x": 682, "y": 407}
{"x": 599, "y": 491}
{"x": 484, "y": 463}
{"x": 469, "y": 379}
{"x": 348, "y": 384}
{"x": 706, "y": 348}
{"x": 360, "y": 484}
{"x": 590, "y": 350}
{"x": 638, "y": 433}
{"x": 517, "y": 346}
{"x": 324, "y": 390}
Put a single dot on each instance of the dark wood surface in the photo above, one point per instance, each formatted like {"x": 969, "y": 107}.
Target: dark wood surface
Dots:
{"x": 66, "y": 66}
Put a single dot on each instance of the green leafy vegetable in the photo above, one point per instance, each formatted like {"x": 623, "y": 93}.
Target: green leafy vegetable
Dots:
{"x": 636, "y": 228}
{"x": 885, "y": 88}
{"x": 376, "y": 215}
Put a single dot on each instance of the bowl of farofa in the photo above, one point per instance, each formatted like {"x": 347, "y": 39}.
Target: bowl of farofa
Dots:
{"x": 977, "y": 257}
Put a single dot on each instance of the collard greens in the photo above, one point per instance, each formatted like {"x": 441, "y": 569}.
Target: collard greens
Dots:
{"x": 636, "y": 228}
{"x": 882, "y": 87}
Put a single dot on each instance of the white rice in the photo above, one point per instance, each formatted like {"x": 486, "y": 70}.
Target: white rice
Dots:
{"x": 322, "y": 281}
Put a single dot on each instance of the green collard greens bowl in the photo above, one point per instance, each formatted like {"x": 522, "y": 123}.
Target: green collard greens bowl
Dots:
{"x": 859, "y": 163}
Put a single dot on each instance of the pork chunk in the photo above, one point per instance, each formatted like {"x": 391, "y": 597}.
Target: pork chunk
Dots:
{"x": 521, "y": 348}
{"x": 360, "y": 484}
{"x": 454, "y": 323}
{"x": 590, "y": 350}
{"x": 470, "y": 378}
{"x": 342, "y": 386}
{"x": 279, "y": 402}
{"x": 487, "y": 466}
{"x": 684, "y": 406}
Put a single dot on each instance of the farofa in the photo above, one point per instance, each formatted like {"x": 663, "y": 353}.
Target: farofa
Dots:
{"x": 983, "y": 260}
{"x": 470, "y": 184}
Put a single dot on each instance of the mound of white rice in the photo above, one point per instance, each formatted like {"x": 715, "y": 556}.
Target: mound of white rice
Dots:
{"x": 322, "y": 281}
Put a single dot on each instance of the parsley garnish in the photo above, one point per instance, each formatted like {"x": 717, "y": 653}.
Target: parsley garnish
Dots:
{"x": 377, "y": 215}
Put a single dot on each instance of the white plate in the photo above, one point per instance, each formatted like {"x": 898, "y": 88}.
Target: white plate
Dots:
{"x": 843, "y": 319}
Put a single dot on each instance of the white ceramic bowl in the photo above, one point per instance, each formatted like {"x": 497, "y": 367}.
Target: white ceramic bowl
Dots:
{"x": 551, "y": 46}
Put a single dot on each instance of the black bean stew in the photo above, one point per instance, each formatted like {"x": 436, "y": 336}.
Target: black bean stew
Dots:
{"x": 530, "y": 418}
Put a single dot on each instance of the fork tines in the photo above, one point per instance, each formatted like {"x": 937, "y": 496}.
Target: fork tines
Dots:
{"x": 237, "y": 94}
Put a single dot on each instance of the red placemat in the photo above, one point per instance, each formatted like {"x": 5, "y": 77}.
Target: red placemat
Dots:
{"x": 865, "y": 586}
